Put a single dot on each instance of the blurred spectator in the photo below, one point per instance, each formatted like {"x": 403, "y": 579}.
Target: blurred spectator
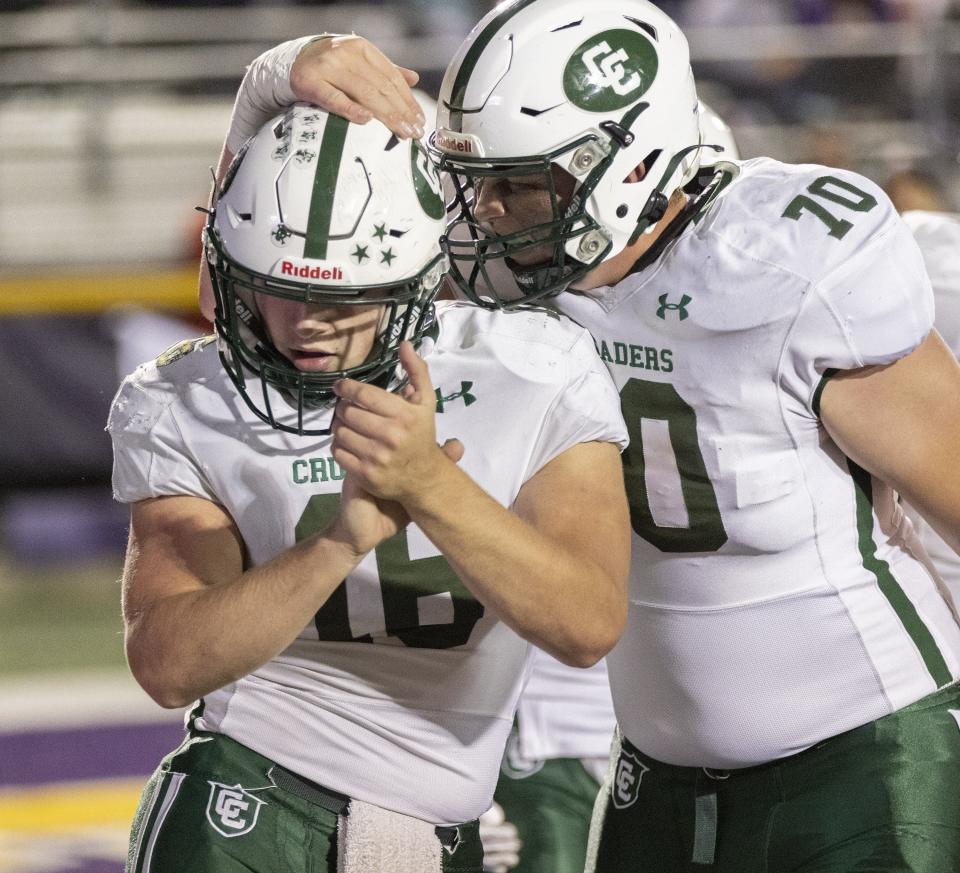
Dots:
{"x": 797, "y": 90}
{"x": 766, "y": 89}
{"x": 916, "y": 189}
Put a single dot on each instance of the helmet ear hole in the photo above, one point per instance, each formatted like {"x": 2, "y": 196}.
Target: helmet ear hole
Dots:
{"x": 642, "y": 170}
{"x": 651, "y": 159}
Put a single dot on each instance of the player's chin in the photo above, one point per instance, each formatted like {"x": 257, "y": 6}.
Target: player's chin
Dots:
{"x": 531, "y": 256}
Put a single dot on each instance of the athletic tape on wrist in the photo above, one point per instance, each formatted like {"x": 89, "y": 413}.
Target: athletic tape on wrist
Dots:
{"x": 265, "y": 90}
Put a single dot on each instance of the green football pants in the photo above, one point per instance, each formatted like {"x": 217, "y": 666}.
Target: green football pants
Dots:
{"x": 215, "y": 806}
{"x": 883, "y": 798}
{"x": 551, "y": 810}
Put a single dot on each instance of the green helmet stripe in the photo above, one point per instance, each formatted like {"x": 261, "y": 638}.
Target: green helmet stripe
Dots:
{"x": 325, "y": 187}
{"x": 469, "y": 62}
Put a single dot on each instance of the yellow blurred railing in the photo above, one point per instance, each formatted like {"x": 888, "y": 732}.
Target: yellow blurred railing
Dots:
{"x": 32, "y": 295}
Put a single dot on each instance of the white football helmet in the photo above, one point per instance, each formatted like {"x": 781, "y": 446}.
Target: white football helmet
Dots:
{"x": 319, "y": 210}
{"x": 714, "y": 131}
{"x": 591, "y": 90}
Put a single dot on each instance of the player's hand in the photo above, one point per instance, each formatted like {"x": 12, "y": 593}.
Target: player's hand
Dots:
{"x": 501, "y": 842}
{"x": 364, "y": 521}
{"x": 388, "y": 442}
{"x": 350, "y": 76}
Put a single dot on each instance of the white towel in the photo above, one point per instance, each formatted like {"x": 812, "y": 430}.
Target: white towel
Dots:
{"x": 375, "y": 840}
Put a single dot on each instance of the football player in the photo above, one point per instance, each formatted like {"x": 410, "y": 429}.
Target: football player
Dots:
{"x": 785, "y": 689}
{"x": 557, "y": 754}
{"x": 348, "y": 601}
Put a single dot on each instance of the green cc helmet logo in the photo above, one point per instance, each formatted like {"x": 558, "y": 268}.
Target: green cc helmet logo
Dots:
{"x": 610, "y": 70}
{"x": 426, "y": 182}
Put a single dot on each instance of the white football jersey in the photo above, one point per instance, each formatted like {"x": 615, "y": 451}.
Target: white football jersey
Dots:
{"x": 401, "y": 690}
{"x": 563, "y": 712}
{"x": 938, "y": 235}
{"x": 773, "y": 600}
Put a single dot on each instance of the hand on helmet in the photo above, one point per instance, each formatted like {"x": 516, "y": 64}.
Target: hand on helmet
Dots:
{"x": 350, "y": 76}
{"x": 388, "y": 442}
{"x": 501, "y": 843}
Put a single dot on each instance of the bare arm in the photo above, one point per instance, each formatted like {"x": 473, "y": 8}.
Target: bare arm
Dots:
{"x": 554, "y": 568}
{"x": 901, "y": 423}
{"x": 195, "y": 621}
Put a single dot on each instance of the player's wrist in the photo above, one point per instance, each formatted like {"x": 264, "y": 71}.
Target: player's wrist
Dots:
{"x": 435, "y": 487}
{"x": 343, "y": 545}
{"x": 309, "y": 50}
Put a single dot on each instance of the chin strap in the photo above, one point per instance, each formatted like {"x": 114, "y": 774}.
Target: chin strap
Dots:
{"x": 703, "y": 191}
{"x": 657, "y": 202}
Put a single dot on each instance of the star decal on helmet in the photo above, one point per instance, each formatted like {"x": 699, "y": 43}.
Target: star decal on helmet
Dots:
{"x": 387, "y": 256}
{"x": 360, "y": 253}
{"x": 380, "y": 231}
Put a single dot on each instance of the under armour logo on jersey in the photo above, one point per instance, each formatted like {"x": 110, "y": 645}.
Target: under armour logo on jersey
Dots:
{"x": 610, "y": 72}
{"x": 626, "y": 781}
{"x": 680, "y": 307}
{"x": 464, "y": 392}
{"x": 231, "y": 810}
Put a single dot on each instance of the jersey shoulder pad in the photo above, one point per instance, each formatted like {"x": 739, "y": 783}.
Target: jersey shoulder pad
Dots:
{"x": 147, "y": 392}
{"x": 535, "y": 342}
{"x": 805, "y": 219}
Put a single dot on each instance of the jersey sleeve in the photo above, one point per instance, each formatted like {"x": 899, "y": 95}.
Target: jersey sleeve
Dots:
{"x": 587, "y": 408}
{"x": 150, "y": 458}
{"x": 874, "y": 308}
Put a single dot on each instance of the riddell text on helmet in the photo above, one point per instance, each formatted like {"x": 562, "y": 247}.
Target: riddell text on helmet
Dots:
{"x": 453, "y": 144}
{"x": 303, "y": 271}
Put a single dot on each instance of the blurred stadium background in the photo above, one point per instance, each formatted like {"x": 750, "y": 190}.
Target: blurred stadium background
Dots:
{"x": 111, "y": 113}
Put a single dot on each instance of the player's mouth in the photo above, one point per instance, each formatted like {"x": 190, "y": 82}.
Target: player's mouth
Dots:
{"x": 313, "y": 361}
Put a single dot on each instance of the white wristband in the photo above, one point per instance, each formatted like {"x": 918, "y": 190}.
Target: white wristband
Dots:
{"x": 265, "y": 90}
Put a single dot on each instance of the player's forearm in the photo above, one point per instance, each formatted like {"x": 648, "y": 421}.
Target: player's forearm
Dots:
{"x": 560, "y": 600}
{"x": 189, "y": 644}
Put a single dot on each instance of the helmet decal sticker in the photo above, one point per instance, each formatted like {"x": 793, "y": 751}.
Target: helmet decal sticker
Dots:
{"x": 325, "y": 187}
{"x": 426, "y": 181}
{"x": 280, "y": 234}
{"x": 610, "y": 71}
